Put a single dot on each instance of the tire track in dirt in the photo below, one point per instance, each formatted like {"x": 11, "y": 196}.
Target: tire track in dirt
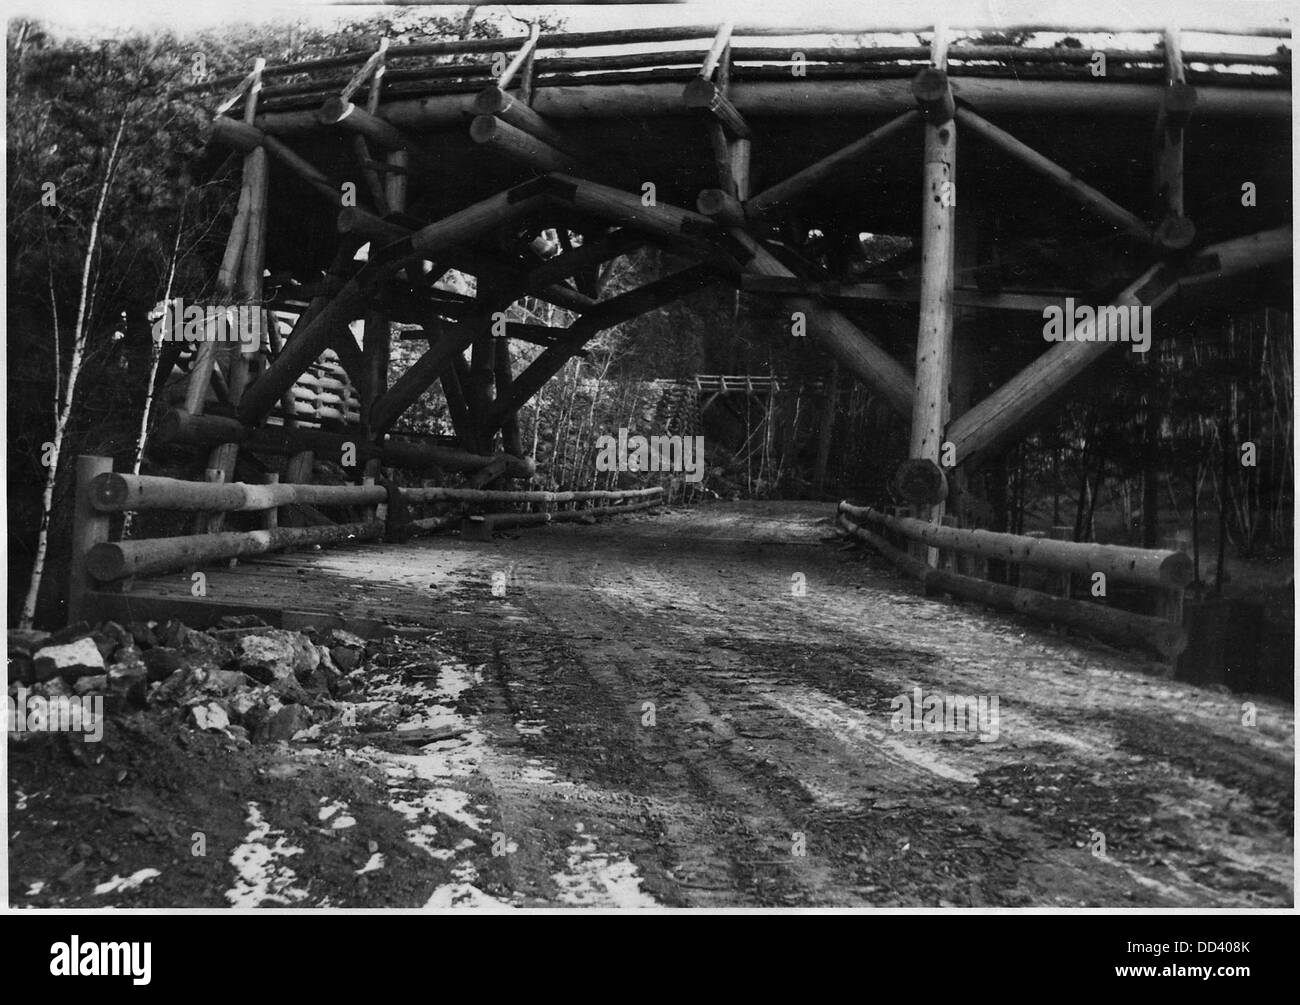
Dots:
{"x": 762, "y": 728}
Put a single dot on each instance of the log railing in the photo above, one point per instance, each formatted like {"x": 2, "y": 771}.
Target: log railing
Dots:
{"x": 1166, "y": 572}
{"x": 585, "y": 58}
{"x": 98, "y": 563}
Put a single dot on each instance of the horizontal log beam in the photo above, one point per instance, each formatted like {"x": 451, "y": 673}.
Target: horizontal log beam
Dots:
{"x": 1157, "y": 635}
{"x": 108, "y": 562}
{"x": 489, "y": 523}
{"x": 1168, "y": 570}
{"x": 437, "y": 494}
{"x": 962, "y": 296}
{"x": 122, "y": 493}
{"x": 823, "y": 98}
{"x": 181, "y": 428}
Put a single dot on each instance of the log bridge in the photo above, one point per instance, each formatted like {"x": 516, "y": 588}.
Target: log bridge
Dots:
{"x": 1136, "y": 175}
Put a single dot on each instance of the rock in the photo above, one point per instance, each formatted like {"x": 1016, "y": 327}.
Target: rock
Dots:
{"x": 173, "y": 634}
{"x": 321, "y": 681}
{"x": 338, "y": 637}
{"x": 55, "y": 687}
{"x": 226, "y": 681}
{"x": 246, "y": 698}
{"x": 210, "y": 716}
{"x": 130, "y": 654}
{"x": 21, "y": 668}
{"x": 184, "y": 685}
{"x": 91, "y": 685}
{"x": 142, "y": 632}
{"x": 70, "y": 660}
{"x": 110, "y": 637}
{"x": 206, "y": 645}
{"x": 70, "y": 634}
{"x": 131, "y": 681}
{"x": 346, "y": 658}
{"x": 289, "y": 691}
{"x": 275, "y": 655}
{"x": 26, "y": 641}
{"x": 286, "y": 722}
{"x": 162, "y": 662}
{"x": 254, "y": 715}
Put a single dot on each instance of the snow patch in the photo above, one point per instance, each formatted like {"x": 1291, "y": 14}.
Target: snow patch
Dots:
{"x": 260, "y": 876}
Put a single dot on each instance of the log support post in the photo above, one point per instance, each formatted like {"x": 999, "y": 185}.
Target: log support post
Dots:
{"x": 369, "y": 473}
{"x": 729, "y": 133}
{"x": 271, "y": 517}
{"x": 89, "y": 528}
{"x": 297, "y": 471}
{"x": 249, "y": 261}
{"x": 921, "y": 479}
{"x": 1174, "y": 231}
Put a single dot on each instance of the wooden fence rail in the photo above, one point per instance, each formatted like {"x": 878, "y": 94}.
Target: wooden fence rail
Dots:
{"x": 1167, "y": 571}
{"x": 99, "y": 562}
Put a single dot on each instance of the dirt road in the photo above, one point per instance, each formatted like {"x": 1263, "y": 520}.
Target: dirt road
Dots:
{"x": 706, "y": 708}
{"x": 657, "y": 701}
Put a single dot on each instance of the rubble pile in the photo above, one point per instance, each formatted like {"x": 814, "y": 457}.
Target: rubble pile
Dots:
{"x": 244, "y": 678}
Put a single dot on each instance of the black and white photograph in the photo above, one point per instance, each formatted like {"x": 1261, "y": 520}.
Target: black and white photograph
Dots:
{"x": 669, "y": 458}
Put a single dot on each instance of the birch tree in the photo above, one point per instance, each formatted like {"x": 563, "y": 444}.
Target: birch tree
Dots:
{"x": 69, "y": 390}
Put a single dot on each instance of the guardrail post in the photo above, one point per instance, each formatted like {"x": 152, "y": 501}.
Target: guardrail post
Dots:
{"x": 1064, "y": 583}
{"x": 89, "y": 528}
{"x": 271, "y": 518}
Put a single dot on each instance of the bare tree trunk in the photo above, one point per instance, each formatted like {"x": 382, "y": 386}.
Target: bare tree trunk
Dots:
{"x": 155, "y": 355}
{"x": 69, "y": 393}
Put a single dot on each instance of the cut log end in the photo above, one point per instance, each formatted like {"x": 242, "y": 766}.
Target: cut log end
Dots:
{"x": 106, "y": 563}
{"x": 722, "y": 206}
{"x": 1177, "y": 570}
{"x": 491, "y": 101}
{"x": 1175, "y": 233}
{"x": 108, "y": 492}
{"x": 921, "y": 481}
{"x": 700, "y": 93}
{"x": 933, "y": 96}
{"x": 483, "y": 129}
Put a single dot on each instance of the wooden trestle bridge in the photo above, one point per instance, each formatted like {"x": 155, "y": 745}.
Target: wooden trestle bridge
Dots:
{"x": 1134, "y": 175}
